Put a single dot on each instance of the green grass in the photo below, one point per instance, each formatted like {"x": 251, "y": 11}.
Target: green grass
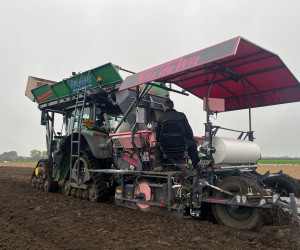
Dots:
{"x": 294, "y": 162}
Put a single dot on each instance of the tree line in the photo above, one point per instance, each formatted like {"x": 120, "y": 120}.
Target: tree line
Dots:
{"x": 35, "y": 155}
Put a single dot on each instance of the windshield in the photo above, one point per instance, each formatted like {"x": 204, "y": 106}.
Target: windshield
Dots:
{"x": 86, "y": 115}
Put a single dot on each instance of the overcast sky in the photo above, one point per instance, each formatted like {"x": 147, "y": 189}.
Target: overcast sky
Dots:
{"x": 50, "y": 39}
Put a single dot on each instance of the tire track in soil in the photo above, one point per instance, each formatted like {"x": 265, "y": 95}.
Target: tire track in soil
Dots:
{"x": 32, "y": 219}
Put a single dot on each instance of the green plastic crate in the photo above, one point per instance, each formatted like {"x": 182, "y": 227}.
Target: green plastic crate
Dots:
{"x": 69, "y": 86}
{"x": 44, "y": 94}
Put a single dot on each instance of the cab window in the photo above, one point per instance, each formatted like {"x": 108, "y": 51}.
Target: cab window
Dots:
{"x": 86, "y": 115}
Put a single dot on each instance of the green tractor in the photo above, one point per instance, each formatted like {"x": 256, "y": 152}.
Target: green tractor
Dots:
{"x": 89, "y": 106}
{"x": 86, "y": 106}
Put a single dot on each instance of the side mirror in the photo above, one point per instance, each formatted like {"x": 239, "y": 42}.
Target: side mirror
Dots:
{"x": 44, "y": 118}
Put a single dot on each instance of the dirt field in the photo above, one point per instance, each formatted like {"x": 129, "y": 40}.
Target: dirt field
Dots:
{"x": 292, "y": 170}
{"x": 32, "y": 219}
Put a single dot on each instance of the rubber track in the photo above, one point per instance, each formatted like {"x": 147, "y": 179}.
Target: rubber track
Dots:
{"x": 48, "y": 171}
{"x": 97, "y": 178}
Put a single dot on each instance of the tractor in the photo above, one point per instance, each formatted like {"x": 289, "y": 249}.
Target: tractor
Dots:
{"x": 106, "y": 147}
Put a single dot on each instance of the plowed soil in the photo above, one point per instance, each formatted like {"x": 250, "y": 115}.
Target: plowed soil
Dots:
{"x": 33, "y": 219}
{"x": 292, "y": 170}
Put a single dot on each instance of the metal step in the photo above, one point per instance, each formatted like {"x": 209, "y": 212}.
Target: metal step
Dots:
{"x": 80, "y": 99}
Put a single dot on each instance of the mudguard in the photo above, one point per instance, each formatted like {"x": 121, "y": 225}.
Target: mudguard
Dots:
{"x": 100, "y": 146}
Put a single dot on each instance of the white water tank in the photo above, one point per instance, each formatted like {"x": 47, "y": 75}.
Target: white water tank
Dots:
{"x": 234, "y": 151}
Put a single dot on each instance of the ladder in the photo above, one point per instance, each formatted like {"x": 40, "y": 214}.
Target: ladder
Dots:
{"x": 76, "y": 142}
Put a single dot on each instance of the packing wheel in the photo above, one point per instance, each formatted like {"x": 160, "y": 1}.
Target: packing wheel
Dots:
{"x": 283, "y": 185}
{"x": 144, "y": 189}
{"x": 237, "y": 216}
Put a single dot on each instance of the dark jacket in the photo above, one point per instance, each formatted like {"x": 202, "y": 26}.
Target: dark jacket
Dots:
{"x": 173, "y": 115}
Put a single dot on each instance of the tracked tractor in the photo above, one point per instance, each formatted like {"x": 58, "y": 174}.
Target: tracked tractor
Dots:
{"x": 107, "y": 147}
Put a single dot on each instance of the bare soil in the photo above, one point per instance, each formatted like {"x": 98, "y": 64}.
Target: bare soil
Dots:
{"x": 18, "y": 164}
{"x": 292, "y": 170}
{"x": 33, "y": 219}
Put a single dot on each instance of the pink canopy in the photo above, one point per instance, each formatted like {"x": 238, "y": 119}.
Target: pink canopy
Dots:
{"x": 236, "y": 66}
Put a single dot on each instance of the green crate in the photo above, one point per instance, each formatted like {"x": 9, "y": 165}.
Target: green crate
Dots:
{"x": 44, "y": 94}
{"x": 69, "y": 86}
{"x": 61, "y": 89}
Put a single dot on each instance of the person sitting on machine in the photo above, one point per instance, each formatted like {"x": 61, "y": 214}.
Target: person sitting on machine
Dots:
{"x": 170, "y": 114}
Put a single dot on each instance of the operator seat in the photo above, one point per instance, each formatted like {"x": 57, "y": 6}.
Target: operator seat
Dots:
{"x": 172, "y": 140}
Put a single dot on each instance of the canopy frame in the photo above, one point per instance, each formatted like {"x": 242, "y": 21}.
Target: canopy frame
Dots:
{"x": 243, "y": 74}
{"x": 209, "y": 149}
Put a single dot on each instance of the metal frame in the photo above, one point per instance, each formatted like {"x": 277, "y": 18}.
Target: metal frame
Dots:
{"x": 142, "y": 174}
{"x": 49, "y": 132}
{"x": 246, "y": 171}
{"x": 227, "y": 73}
{"x": 202, "y": 183}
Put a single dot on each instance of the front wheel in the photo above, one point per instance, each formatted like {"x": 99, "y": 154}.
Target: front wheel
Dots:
{"x": 237, "y": 216}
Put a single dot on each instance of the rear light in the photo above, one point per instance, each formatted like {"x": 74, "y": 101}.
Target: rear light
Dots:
{"x": 99, "y": 79}
{"x": 97, "y": 134}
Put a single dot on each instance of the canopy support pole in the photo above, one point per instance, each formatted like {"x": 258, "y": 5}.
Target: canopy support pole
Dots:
{"x": 208, "y": 125}
{"x": 250, "y": 134}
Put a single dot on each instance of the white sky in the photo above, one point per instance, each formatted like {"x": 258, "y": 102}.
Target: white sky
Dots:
{"x": 50, "y": 39}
